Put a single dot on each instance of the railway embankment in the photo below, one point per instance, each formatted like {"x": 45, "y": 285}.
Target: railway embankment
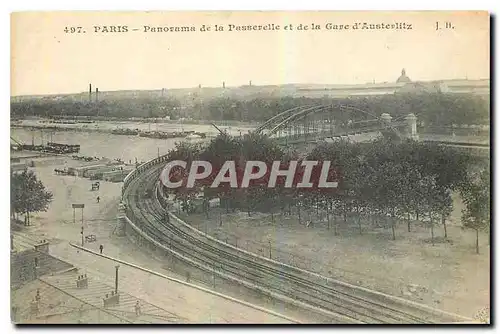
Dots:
{"x": 326, "y": 299}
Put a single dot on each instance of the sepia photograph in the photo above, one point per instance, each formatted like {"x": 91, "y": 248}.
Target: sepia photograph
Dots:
{"x": 250, "y": 167}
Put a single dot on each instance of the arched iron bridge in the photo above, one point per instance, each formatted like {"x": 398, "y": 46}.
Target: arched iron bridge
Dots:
{"x": 316, "y": 122}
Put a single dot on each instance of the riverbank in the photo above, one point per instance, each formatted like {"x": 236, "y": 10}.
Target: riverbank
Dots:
{"x": 96, "y": 144}
{"x": 126, "y": 127}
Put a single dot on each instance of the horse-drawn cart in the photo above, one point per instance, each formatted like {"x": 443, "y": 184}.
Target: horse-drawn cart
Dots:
{"x": 90, "y": 238}
{"x": 95, "y": 186}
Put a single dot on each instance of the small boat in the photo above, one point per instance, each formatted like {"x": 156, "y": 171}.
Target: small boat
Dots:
{"x": 193, "y": 136}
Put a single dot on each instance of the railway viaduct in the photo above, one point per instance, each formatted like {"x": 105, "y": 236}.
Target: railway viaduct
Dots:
{"x": 147, "y": 221}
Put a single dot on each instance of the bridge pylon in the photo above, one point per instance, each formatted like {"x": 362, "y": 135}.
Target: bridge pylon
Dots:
{"x": 385, "y": 117}
{"x": 411, "y": 120}
{"x": 410, "y": 131}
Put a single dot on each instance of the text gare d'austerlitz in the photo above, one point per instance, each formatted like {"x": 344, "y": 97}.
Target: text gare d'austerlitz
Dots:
{"x": 257, "y": 27}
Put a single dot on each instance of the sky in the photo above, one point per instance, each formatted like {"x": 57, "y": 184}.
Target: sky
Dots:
{"x": 47, "y": 60}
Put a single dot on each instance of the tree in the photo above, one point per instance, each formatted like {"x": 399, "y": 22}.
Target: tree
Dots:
{"x": 445, "y": 166}
{"x": 383, "y": 178}
{"x": 388, "y": 190}
{"x": 28, "y": 194}
{"x": 444, "y": 205}
{"x": 410, "y": 192}
{"x": 431, "y": 204}
{"x": 257, "y": 147}
{"x": 221, "y": 149}
{"x": 187, "y": 152}
{"x": 476, "y": 196}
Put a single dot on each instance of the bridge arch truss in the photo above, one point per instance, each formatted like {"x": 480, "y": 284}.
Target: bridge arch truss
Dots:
{"x": 322, "y": 121}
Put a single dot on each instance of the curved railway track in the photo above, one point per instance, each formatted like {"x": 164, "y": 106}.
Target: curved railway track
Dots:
{"x": 340, "y": 302}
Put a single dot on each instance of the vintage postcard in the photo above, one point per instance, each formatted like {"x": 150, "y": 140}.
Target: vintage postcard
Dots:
{"x": 250, "y": 167}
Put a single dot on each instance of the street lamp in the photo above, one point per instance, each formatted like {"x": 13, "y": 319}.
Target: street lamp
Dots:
{"x": 78, "y": 206}
{"x": 269, "y": 248}
{"x": 116, "y": 279}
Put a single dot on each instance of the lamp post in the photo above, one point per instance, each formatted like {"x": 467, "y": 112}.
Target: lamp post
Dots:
{"x": 79, "y": 206}
{"x": 116, "y": 278}
{"x": 82, "y": 227}
{"x": 269, "y": 248}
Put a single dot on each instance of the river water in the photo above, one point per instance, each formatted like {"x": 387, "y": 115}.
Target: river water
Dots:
{"x": 126, "y": 148}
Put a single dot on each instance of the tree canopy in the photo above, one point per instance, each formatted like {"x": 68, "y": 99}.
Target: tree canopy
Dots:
{"x": 383, "y": 177}
{"x": 432, "y": 109}
{"x": 476, "y": 196}
{"x": 28, "y": 194}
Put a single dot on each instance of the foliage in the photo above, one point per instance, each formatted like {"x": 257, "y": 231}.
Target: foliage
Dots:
{"x": 28, "y": 194}
{"x": 476, "y": 196}
{"x": 121, "y": 108}
{"x": 432, "y": 109}
{"x": 394, "y": 179}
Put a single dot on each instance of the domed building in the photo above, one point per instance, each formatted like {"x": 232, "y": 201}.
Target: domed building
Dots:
{"x": 403, "y": 84}
{"x": 403, "y": 78}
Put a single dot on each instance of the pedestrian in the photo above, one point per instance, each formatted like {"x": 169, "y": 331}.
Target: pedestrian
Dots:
{"x": 137, "y": 309}
{"x": 98, "y": 199}
{"x": 101, "y": 248}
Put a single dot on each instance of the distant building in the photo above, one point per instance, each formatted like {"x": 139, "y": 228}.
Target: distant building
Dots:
{"x": 425, "y": 87}
{"x": 402, "y": 85}
{"x": 189, "y": 96}
{"x": 403, "y": 77}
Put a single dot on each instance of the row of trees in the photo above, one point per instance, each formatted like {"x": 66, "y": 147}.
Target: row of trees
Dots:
{"x": 27, "y": 195}
{"x": 146, "y": 107}
{"x": 396, "y": 180}
{"x": 433, "y": 109}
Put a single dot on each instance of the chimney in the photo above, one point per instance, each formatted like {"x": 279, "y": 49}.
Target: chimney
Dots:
{"x": 250, "y": 83}
{"x": 97, "y": 94}
{"x": 223, "y": 84}
{"x": 90, "y": 92}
